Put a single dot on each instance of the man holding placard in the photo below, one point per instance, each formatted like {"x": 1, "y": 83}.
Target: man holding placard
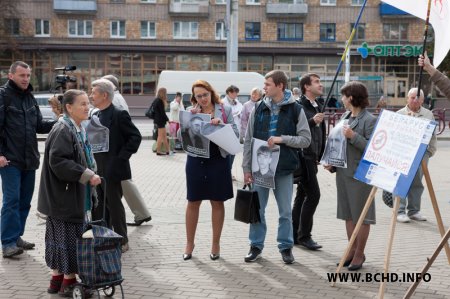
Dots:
{"x": 414, "y": 108}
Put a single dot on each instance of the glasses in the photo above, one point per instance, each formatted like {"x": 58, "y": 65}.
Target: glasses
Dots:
{"x": 201, "y": 96}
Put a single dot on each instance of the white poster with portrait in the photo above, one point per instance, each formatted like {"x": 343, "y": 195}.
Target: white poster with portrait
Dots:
{"x": 335, "y": 149}
{"x": 264, "y": 163}
{"x": 192, "y": 140}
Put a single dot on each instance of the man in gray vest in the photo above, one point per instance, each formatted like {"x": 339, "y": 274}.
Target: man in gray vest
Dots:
{"x": 277, "y": 119}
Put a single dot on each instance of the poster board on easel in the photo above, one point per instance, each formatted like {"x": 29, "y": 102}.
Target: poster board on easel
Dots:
{"x": 395, "y": 151}
{"x": 390, "y": 161}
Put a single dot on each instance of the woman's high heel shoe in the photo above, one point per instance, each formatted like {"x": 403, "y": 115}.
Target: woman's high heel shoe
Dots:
{"x": 346, "y": 263}
{"x": 353, "y": 267}
{"x": 187, "y": 256}
{"x": 214, "y": 256}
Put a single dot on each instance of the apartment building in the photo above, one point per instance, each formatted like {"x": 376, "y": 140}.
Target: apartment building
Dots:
{"x": 137, "y": 39}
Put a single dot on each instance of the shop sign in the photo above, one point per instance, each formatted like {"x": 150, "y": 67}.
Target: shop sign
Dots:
{"x": 390, "y": 50}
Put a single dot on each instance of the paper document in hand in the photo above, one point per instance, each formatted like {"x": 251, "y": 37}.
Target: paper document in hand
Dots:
{"x": 223, "y": 136}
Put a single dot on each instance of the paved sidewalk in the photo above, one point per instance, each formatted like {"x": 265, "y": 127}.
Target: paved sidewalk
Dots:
{"x": 154, "y": 267}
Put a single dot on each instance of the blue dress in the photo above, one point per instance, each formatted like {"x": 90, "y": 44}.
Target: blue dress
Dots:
{"x": 209, "y": 179}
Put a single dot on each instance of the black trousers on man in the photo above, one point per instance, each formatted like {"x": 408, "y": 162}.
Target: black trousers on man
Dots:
{"x": 115, "y": 212}
{"x": 306, "y": 201}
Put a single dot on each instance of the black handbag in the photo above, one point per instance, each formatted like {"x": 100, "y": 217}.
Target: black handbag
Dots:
{"x": 246, "y": 208}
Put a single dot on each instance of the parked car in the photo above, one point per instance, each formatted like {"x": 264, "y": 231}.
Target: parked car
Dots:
{"x": 44, "y": 106}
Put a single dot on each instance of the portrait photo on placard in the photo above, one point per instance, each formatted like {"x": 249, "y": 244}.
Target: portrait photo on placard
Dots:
{"x": 264, "y": 163}
{"x": 336, "y": 147}
{"x": 191, "y": 136}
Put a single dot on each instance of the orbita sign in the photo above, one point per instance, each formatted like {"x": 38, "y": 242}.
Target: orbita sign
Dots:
{"x": 390, "y": 50}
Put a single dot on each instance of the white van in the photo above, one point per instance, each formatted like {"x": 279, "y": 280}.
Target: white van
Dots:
{"x": 181, "y": 81}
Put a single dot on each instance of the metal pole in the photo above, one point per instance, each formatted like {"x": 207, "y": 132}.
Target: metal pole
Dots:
{"x": 232, "y": 35}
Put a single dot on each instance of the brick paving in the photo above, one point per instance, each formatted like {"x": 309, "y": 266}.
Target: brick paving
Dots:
{"x": 154, "y": 267}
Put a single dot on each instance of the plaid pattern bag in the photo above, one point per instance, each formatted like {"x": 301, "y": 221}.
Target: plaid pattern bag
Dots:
{"x": 99, "y": 257}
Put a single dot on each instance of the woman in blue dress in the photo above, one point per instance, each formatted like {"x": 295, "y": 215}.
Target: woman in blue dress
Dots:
{"x": 208, "y": 178}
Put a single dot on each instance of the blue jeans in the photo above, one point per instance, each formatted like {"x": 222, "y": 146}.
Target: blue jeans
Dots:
{"x": 18, "y": 188}
{"x": 283, "y": 196}
{"x": 414, "y": 194}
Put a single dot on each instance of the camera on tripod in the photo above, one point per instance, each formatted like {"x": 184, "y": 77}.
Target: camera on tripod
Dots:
{"x": 62, "y": 79}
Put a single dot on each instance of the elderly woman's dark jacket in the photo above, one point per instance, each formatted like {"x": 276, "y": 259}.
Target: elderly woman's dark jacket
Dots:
{"x": 64, "y": 176}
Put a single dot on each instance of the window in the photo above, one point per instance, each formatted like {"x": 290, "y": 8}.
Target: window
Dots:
{"x": 117, "y": 29}
{"x": 327, "y": 32}
{"x": 12, "y": 26}
{"x": 328, "y": 2}
{"x": 117, "y": 1}
{"x": 290, "y": 31}
{"x": 252, "y": 30}
{"x": 253, "y": 2}
{"x": 221, "y": 32}
{"x": 148, "y": 29}
{"x": 395, "y": 32}
{"x": 185, "y": 30}
{"x": 357, "y": 2}
{"x": 80, "y": 28}
{"x": 148, "y": 1}
{"x": 42, "y": 27}
{"x": 221, "y": 2}
{"x": 360, "y": 33}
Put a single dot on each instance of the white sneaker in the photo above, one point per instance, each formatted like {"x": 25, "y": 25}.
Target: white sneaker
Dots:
{"x": 403, "y": 218}
{"x": 418, "y": 217}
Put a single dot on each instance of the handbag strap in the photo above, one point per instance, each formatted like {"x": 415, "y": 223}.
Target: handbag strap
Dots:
{"x": 224, "y": 116}
{"x": 249, "y": 186}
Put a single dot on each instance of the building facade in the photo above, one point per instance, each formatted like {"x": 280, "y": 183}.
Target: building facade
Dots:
{"x": 137, "y": 39}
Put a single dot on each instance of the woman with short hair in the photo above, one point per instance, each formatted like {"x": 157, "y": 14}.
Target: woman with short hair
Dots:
{"x": 351, "y": 193}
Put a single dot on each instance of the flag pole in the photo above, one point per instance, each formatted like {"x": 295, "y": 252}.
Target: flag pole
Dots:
{"x": 347, "y": 48}
{"x": 427, "y": 22}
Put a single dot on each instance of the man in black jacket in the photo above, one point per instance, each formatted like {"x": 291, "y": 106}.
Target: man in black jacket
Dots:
{"x": 20, "y": 120}
{"x": 114, "y": 165}
{"x": 308, "y": 191}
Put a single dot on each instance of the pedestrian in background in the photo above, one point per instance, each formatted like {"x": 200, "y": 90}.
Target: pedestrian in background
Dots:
{"x": 412, "y": 201}
{"x": 65, "y": 192}
{"x": 255, "y": 96}
{"x": 296, "y": 93}
{"x": 56, "y": 104}
{"x": 20, "y": 120}
{"x": 130, "y": 191}
{"x": 114, "y": 165}
{"x": 175, "y": 107}
{"x": 160, "y": 121}
{"x": 232, "y": 100}
{"x": 351, "y": 193}
{"x": 208, "y": 178}
{"x": 278, "y": 119}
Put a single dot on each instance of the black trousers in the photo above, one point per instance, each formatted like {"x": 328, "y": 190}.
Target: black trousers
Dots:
{"x": 306, "y": 201}
{"x": 115, "y": 212}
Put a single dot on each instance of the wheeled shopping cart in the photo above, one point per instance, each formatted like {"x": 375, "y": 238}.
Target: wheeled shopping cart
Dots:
{"x": 99, "y": 260}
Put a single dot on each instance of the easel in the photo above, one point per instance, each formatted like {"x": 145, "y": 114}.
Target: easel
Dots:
{"x": 387, "y": 256}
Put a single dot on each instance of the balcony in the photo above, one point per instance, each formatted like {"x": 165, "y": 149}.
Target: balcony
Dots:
{"x": 387, "y": 10}
{"x": 75, "y": 6}
{"x": 197, "y": 8}
{"x": 286, "y": 8}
